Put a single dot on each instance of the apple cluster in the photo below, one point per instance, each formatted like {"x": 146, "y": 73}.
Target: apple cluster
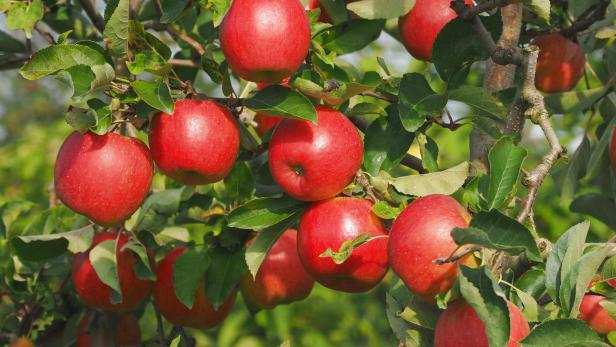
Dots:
{"x": 107, "y": 177}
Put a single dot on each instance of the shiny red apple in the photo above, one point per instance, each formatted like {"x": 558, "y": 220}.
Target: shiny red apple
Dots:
{"x": 281, "y": 279}
{"x": 127, "y": 331}
{"x": 266, "y": 40}
{"x": 104, "y": 177}
{"x": 459, "y": 326}
{"x": 420, "y": 27}
{"x": 202, "y": 315}
{"x": 595, "y": 315}
{"x": 421, "y": 234}
{"x": 93, "y": 292}
{"x": 328, "y": 224}
{"x": 315, "y": 162}
{"x": 198, "y": 144}
{"x": 560, "y": 64}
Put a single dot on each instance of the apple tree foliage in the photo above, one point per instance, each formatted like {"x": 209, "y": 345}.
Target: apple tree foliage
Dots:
{"x": 126, "y": 60}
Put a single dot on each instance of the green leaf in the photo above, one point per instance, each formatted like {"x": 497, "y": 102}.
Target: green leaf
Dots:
{"x": 575, "y": 169}
{"x": 505, "y": 162}
{"x": 562, "y": 332}
{"x": 386, "y": 142}
{"x": 596, "y": 205}
{"x": 342, "y": 92}
{"x": 104, "y": 261}
{"x": 158, "y": 206}
{"x": 609, "y": 306}
{"x": 8, "y": 44}
{"x": 261, "y": 245}
{"x": 366, "y": 108}
{"x": 457, "y": 47}
{"x": 442, "y": 182}
{"x": 574, "y": 283}
{"x": 480, "y": 290}
{"x": 479, "y": 99}
{"x": 420, "y": 100}
{"x": 155, "y": 94}
{"x": 264, "y": 212}
{"x": 56, "y": 58}
{"x": 225, "y": 271}
{"x": 80, "y": 119}
{"x": 80, "y": 78}
{"x": 188, "y": 272}
{"x": 568, "y": 248}
{"x": 43, "y": 247}
{"x": 539, "y": 7}
{"x": 411, "y": 320}
{"x": 429, "y": 152}
{"x": 381, "y": 9}
{"x": 239, "y": 183}
{"x": 574, "y": 101}
{"x": 351, "y": 36}
{"x": 385, "y": 210}
{"x": 116, "y": 29}
{"x": 147, "y": 61}
{"x": 172, "y": 10}
{"x": 109, "y": 9}
{"x": 142, "y": 268}
{"x": 531, "y": 307}
{"x": 103, "y": 116}
{"x": 346, "y": 249}
{"x": 24, "y": 15}
{"x": 609, "y": 269}
{"x": 220, "y": 8}
{"x": 532, "y": 282}
{"x": 600, "y": 153}
{"x": 495, "y": 230}
{"x": 277, "y": 100}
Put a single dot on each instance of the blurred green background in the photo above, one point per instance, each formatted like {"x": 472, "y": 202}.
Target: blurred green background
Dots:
{"x": 32, "y": 128}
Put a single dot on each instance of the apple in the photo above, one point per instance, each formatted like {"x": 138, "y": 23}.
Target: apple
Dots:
{"x": 421, "y": 234}
{"x": 265, "y": 41}
{"x": 281, "y": 279}
{"x": 560, "y": 64}
{"x": 93, "y": 292}
{"x": 198, "y": 144}
{"x": 315, "y": 162}
{"x": 127, "y": 331}
{"x": 420, "y": 27}
{"x": 459, "y": 326}
{"x": 595, "y": 315}
{"x": 22, "y": 342}
{"x": 202, "y": 315}
{"x": 103, "y": 177}
{"x": 323, "y": 16}
{"x": 328, "y": 224}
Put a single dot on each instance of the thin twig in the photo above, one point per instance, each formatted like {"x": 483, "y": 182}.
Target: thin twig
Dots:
{"x": 593, "y": 14}
{"x": 93, "y": 14}
{"x": 484, "y": 6}
{"x": 391, "y": 99}
{"x": 454, "y": 257}
{"x": 183, "y": 62}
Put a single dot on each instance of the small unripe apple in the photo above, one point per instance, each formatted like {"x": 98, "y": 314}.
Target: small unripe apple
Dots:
{"x": 315, "y": 162}
{"x": 127, "y": 331}
{"x": 93, "y": 292}
{"x": 198, "y": 144}
{"x": 22, "y": 342}
{"x": 281, "y": 279}
{"x": 421, "y": 234}
{"x": 104, "y": 177}
{"x": 266, "y": 40}
{"x": 420, "y": 27}
{"x": 459, "y": 326}
{"x": 328, "y": 224}
{"x": 202, "y": 315}
{"x": 595, "y": 315}
{"x": 560, "y": 64}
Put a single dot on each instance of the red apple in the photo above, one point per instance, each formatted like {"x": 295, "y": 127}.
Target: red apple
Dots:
{"x": 560, "y": 64}
{"x": 93, "y": 292}
{"x": 104, "y": 177}
{"x": 127, "y": 331}
{"x": 315, "y": 162}
{"x": 281, "y": 279}
{"x": 266, "y": 40}
{"x": 420, "y": 27}
{"x": 459, "y": 326}
{"x": 198, "y": 144}
{"x": 328, "y": 224}
{"x": 421, "y": 234}
{"x": 202, "y": 315}
{"x": 595, "y": 315}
